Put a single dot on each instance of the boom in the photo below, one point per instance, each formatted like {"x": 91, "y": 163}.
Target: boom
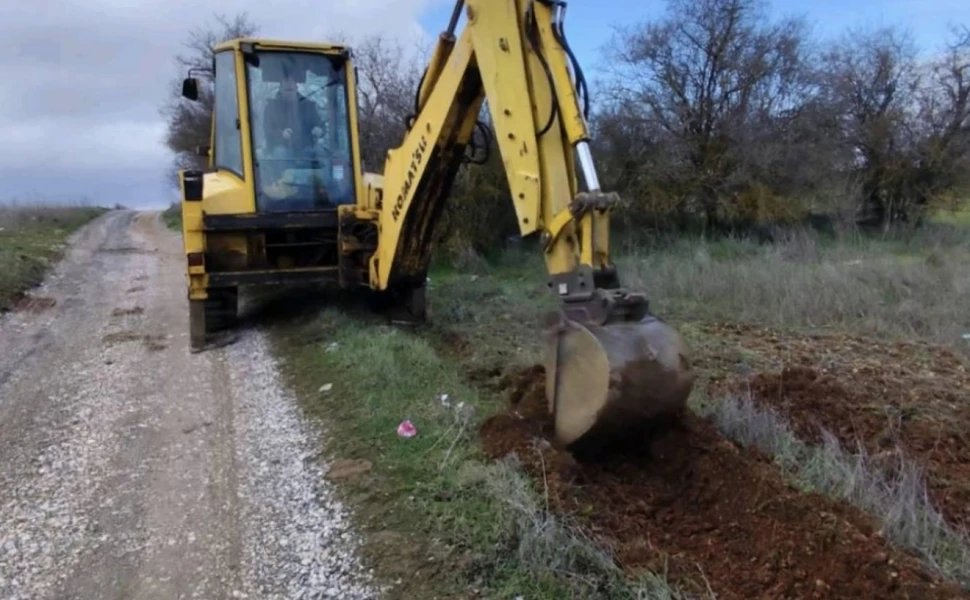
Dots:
{"x": 514, "y": 54}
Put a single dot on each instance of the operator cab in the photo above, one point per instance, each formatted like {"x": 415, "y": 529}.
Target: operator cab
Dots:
{"x": 299, "y": 126}
{"x": 300, "y": 129}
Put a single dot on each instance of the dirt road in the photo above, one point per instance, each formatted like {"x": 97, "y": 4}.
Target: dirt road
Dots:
{"x": 130, "y": 468}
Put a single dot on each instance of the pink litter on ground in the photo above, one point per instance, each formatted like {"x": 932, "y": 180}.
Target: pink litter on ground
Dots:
{"x": 407, "y": 429}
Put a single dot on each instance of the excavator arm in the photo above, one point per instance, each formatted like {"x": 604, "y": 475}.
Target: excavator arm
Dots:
{"x": 610, "y": 363}
{"x": 512, "y": 53}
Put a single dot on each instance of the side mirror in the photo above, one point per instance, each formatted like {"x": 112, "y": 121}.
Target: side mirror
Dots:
{"x": 190, "y": 88}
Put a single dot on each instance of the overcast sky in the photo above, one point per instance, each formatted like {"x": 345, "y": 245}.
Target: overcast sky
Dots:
{"x": 81, "y": 81}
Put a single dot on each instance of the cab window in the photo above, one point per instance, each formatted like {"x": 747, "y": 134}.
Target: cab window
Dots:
{"x": 228, "y": 138}
{"x": 300, "y": 131}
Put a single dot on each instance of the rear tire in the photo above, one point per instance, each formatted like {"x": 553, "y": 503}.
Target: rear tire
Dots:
{"x": 216, "y": 313}
{"x": 221, "y": 309}
{"x": 197, "y": 335}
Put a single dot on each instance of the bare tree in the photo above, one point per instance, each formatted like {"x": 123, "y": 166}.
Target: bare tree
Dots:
{"x": 905, "y": 120}
{"x": 872, "y": 80}
{"x": 188, "y": 123}
{"x": 942, "y": 129}
{"x": 388, "y": 77}
{"x": 706, "y": 87}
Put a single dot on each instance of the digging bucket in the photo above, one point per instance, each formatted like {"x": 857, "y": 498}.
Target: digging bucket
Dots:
{"x": 605, "y": 382}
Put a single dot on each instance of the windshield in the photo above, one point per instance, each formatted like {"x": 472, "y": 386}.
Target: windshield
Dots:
{"x": 300, "y": 130}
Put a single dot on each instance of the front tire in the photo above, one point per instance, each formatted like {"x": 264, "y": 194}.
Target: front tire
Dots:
{"x": 221, "y": 309}
{"x": 402, "y": 305}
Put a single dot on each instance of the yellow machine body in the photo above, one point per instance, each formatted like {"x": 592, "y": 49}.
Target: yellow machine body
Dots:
{"x": 611, "y": 366}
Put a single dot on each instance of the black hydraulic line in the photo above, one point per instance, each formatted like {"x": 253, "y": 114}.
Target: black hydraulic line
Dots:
{"x": 532, "y": 31}
{"x": 417, "y": 92}
{"x": 559, "y": 32}
{"x": 450, "y": 33}
{"x": 409, "y": 120}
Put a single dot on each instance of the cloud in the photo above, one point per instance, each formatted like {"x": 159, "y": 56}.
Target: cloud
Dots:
{"x": 81, "y": 81}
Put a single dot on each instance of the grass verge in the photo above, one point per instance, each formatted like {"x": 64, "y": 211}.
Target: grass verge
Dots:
{"x": 172, "y": 216}
{"x": 898, "y": 501}
{"x": 439, "y": 519}
{"x": 31, "y": 241}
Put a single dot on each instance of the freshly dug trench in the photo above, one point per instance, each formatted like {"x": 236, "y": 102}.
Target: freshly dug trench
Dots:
{"x": 692, "y": 504}
{"x": 904, "y": 399}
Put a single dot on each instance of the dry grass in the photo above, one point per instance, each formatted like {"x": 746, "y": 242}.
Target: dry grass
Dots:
{"x": 549, "y": 547}
{"x": 898, "y": 500}
{"x": 914, "y": 286}
{"x": 31, "y": 239}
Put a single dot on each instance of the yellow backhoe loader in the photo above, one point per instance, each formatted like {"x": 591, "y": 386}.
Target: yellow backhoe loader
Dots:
{"x": 284, "y": 198}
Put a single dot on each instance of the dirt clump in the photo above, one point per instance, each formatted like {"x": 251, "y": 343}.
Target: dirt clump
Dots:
{"x": 688, "y": 502}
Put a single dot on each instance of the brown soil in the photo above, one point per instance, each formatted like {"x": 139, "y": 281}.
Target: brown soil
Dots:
{"x": 889, "y": 396}
{"x": 718, "y": 514}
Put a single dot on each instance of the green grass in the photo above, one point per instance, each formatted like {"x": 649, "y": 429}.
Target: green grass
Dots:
{"x": 172, "y": 216}
{"x": 437, "y": 515}
{"x": 31, "y": 241}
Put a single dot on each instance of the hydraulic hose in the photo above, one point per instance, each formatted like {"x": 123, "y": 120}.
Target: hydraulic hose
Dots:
{"x": 531, "y": 34}
{"x": 559, "y": 32}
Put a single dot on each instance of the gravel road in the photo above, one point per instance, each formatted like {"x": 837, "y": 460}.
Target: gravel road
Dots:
{"x": 130, "y": 468}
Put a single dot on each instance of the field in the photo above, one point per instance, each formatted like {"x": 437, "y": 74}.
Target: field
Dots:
{"x": 31, "y": 239}
{"x": 825, "y": 454}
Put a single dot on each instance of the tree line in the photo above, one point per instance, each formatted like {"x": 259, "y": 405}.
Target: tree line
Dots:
{"x": 718, "y": 115}
{"x": 714, "y": 117}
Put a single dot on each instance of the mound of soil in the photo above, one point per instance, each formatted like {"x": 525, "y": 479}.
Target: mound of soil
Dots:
{"x": 692, "y": 504}
{"x": 891, "y": 397}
